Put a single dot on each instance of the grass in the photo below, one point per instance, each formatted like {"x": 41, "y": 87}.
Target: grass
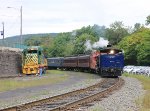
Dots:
{"x": 145, "y": 101}
{"x": 52, "y": 76}
{"x": 55, "y": 72}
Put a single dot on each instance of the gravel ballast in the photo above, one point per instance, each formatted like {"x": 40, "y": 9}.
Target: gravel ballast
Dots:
{"x": 123, "y": 99}
{"x": 76, "y": 80}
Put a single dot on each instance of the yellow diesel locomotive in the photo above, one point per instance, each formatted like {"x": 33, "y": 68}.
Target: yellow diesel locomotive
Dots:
{"x": 32, "y": 59}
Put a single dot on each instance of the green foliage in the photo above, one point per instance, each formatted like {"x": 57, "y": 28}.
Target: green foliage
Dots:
{"x": 38, "y": 41}
{"x": 137, "y": 26}
{"x": 116, "y": 32}
{"x": 66, "y": 44}
{"x": 80, "y": 47}
{"x": 72, "y": 43}
{"x": 84, "y": 34}
{"x": 44, "y": 41}
{"x": 12, "y": 41}
{"x": 87, "y": 30}
{"x": 62, "y": 45}
{"x": 137, "y": 47}
{"x": 99, "y": 30}
{"x": 33, "y": 41}
{"x": 148, "y": 20}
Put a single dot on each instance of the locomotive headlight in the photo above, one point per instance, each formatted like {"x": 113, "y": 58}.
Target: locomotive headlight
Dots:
{"x": 112, "y": 51}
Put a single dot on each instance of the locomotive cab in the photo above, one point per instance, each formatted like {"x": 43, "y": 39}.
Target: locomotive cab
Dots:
{"x": 111, "y": 62}
{"x": 32, "y": 58}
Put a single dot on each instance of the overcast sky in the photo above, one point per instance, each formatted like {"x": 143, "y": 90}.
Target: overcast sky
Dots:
{"x": 46, "y": 16}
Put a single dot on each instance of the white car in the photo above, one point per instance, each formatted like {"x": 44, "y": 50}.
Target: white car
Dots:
{"x": 128, "y": 69}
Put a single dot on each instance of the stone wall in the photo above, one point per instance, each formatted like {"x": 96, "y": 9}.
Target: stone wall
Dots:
{"x": 10, "y": 61}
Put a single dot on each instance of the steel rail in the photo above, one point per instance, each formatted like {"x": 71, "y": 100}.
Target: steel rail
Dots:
{"x": 78, "y": 103}
{"x": 50, "y": 99}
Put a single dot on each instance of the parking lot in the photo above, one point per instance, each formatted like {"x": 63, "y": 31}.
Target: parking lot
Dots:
{"x": 141, "y": 70}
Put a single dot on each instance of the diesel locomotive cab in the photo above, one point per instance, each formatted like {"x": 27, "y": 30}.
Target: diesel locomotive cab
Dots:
{"x": 32, "y": 58}
{"x": 111, "y": 62}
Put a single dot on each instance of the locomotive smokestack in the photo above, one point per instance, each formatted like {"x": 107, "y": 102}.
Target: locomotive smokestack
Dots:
{"x": 109, "y": 45}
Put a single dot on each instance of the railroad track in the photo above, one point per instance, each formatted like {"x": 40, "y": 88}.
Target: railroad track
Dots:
{"x": 9, "y": 77}
{"x": 72, "y": 100}
{"x": 17, "y": 76}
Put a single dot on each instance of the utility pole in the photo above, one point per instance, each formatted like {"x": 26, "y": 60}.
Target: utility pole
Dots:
{"x": 21, "y": 25}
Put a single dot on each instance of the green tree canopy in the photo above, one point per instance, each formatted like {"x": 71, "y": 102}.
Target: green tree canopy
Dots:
{"x": 65, "y": 44}
{"x": 80, "y": 47}
{"x": 137, "y": 47}
{"x": 148, "y": 20}
{"x": 90, "y": 30}
{"x": 137, "y": 26}
{"x": 116, "y": 32}
{"x": 61, "y": 46}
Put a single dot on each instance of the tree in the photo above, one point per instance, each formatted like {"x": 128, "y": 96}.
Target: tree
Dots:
{"x": 99, "y": 30}
{"x": 62, "y": 45}
{"x": 80, "y": 47}
{"x": 137, "y": 26}
{"x": 33, "y": 41}
{"x": 148, "y": 20}
{"x": 87, "y": 30}
{"x": 91, "y": 33}
{"x": 116, "y": 32}
{"x": 137, "y": 47}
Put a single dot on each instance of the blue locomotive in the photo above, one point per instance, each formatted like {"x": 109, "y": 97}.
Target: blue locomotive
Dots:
{"x": 111, "y": 62}
{"x": 106, "y": 62}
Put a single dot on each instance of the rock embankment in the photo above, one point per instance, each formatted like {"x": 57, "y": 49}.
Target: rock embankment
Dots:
{"x": 10, "y": 61}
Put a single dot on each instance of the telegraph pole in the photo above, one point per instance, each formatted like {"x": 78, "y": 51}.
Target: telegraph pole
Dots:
{"x": 3, "y": 33}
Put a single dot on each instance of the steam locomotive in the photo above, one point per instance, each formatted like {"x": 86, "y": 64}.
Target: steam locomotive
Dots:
{"x": 107, "y": 62}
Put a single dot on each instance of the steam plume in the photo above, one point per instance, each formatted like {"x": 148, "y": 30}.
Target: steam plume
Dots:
{"x": 101, "y": 43}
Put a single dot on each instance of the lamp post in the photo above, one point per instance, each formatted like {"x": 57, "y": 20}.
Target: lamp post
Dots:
{"x": 20, "y": 23}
